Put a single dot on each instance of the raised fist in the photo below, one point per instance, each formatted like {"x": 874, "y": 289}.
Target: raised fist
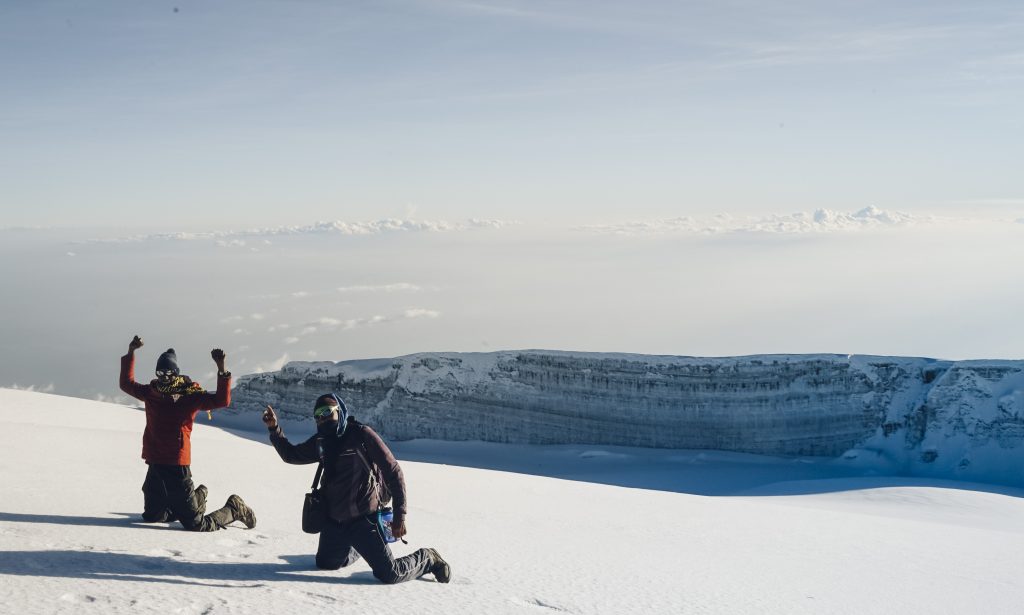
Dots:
{"x": 135, "y": 344}
{"x": 218, "y": 355}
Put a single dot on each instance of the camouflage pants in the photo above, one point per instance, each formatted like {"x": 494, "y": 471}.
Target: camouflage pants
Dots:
{"x": 169, "y": 495}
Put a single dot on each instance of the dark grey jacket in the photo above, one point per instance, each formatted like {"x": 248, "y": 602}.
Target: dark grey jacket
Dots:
{"x": 346, "y": 483}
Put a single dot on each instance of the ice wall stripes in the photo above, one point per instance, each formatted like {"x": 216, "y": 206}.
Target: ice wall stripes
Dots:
{"x": 916, "y": 415}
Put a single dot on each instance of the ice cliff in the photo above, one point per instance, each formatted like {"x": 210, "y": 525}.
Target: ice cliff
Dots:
{"x": 917, "y": 416}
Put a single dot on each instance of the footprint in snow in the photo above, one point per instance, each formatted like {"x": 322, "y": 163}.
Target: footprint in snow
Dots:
{"x": 320, "y": 597}
{"x": 210, "y": 607}
{"x": 534, "y": 603}
{"x": 76, "y": 599}
{"x": 230, "y": 555}
{"x": 164, "y": 553}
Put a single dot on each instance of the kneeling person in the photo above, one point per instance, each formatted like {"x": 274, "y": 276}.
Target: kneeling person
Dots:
{"x": 348, "y": 449}
{"x": 172, "y": 402}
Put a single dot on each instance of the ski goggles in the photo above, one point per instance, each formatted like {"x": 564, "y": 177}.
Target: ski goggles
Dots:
{"x": 323, "y": 411}
{"x": 166, "y": 372}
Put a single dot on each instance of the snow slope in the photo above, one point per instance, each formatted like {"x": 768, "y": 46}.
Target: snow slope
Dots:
{"x": 70, "y": 541}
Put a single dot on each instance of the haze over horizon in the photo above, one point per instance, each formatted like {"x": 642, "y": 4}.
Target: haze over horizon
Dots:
{"x": 876, "y": 283}
{"x": 331, "y": 181}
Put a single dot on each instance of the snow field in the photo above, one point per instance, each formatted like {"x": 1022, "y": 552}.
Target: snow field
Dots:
{"x": 70, "y": 540}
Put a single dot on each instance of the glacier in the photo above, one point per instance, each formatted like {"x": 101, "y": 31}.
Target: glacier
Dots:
{"x": 898, "y": 415}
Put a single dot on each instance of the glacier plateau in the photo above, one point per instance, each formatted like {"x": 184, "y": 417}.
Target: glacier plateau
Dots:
{"x": 900, "y": 415}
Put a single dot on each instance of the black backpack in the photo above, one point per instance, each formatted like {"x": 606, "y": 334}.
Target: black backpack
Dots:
{"x": 376, "y": 476}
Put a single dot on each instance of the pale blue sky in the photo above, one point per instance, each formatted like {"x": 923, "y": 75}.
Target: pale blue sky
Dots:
{"x": 234, "y": 114}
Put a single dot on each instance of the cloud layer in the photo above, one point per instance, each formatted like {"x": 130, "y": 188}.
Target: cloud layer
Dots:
{"x": 328, "y": 324}
{"x": 819, "y": 221}
{"x": 235, "y": 238}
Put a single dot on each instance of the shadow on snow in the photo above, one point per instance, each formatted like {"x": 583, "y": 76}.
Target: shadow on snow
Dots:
{"x": 709, "y": 473}
{"x": 110, "y": 565}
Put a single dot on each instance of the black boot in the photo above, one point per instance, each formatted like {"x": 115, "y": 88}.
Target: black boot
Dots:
{"x": 438, "y": 567}
{"x": 241, "y": 511}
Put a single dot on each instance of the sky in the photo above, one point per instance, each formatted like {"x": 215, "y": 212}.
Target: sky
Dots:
{"x": 338, "y": 180}
{"x": 189, "y": 114}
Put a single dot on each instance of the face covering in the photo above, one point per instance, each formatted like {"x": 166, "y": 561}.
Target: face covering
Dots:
{"x": 327, "y": 428}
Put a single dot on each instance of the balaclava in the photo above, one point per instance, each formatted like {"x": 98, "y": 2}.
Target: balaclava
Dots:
{"x": 332, "y": 428}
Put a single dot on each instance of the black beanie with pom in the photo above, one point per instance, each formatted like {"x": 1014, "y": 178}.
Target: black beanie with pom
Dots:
{"x": 168, "y": 362}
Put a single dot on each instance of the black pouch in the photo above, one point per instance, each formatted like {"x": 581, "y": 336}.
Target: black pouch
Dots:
{"x": 314, "y": 507}
{"x": 314, "y": 513}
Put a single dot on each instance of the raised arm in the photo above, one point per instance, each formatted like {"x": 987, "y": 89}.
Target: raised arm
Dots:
{"x": 222, "y": 398}
{"x": 127, "y": 377}
{"x": 297, "y": 454}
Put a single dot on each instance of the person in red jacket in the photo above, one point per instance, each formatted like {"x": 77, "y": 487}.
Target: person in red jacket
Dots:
{"x": 172, "y": 402}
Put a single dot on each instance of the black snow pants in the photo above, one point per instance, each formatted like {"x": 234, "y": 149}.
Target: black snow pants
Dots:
{"x": 342, "y": 543}
{"x": 169, "y": 495}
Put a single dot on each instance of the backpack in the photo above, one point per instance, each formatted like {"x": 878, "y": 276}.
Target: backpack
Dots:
{"x": 376, "y": 475}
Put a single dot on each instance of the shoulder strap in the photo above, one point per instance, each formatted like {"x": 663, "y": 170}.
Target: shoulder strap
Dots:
{"x": 320, "y": 468}
{"x": 369, "y": 470}
{"x": 360, "y": 448}
{"x": 362, "y": 457}
{"x": 320, "y": 472}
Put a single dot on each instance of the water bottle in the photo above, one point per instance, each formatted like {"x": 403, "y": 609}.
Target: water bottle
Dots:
{"x": 384, "y": 518}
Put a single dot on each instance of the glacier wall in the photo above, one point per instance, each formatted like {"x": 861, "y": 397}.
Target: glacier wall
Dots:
{"x": 962, "y": 420}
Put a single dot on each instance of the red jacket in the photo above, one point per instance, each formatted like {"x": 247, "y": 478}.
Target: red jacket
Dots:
{"x": 167, "y": 439}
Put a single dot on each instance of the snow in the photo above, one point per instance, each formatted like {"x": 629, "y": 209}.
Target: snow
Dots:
{"x": 527, "y": 529}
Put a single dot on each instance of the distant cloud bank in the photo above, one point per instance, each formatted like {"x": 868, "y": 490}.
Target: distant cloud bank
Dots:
{"x": 386, "y": 288}
{"x": 231, "y": 239}
{"x": 49, "y": 388}
{"x": 328, "y": 324}
{"x": 819, "y": 221}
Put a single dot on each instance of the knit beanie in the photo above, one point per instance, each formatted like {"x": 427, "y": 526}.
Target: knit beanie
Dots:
{"x": 168, "y": 362}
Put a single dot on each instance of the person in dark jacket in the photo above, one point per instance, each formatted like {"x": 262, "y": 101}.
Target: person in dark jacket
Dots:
{"x": 172, "y": 402}
{"x": 348, "y": 450}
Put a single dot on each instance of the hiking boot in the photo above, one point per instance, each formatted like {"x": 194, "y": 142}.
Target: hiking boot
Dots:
{"x": 438, "y": 567}
{"x": 241, "y": 511}
{"x": 201, "y": 492}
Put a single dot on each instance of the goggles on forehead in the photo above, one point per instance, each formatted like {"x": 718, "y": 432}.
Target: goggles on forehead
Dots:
{"x": 322, "y": 411}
